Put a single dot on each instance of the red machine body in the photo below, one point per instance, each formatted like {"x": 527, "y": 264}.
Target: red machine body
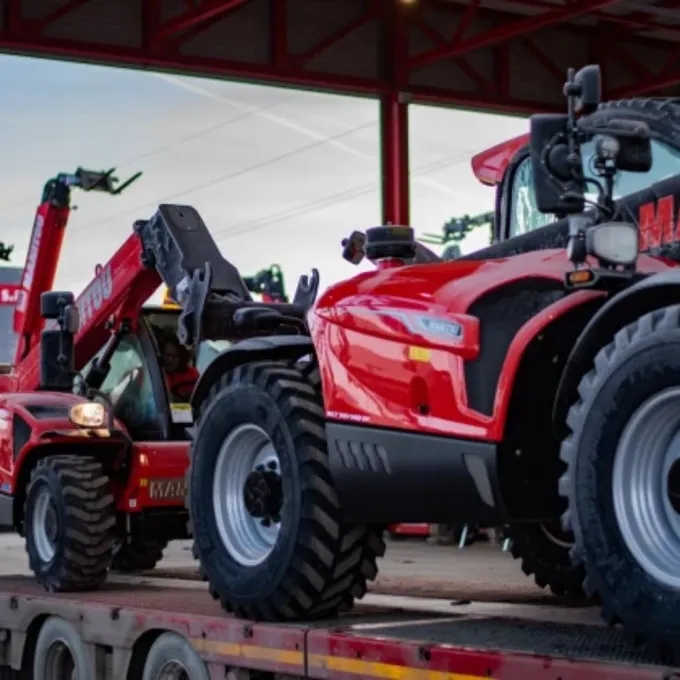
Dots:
{"x": 33, "y": 423}
{"x": 396, "y": 368}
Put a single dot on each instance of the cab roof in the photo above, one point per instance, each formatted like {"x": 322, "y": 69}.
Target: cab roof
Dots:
{"x": 489, "y": 166}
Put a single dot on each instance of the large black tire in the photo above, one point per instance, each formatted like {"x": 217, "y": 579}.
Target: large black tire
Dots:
{"x": 642, "y": 361}
{"x": 169, "y": 649}
{"x": 138, "y": 553}
{"x": 318, "y": 565}
{"x": 546, "y": 556}
{"x": 84, "y": 512}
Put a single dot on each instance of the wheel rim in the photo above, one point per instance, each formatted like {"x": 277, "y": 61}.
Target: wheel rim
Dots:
{"x": 59, "y": 663}
{"x": 173, "y": 670}
{"x": 646, "y": 486}
{"x": 45, "y": 525}
{"x": 247, "y": 494}
{"x": 555, "y": 534}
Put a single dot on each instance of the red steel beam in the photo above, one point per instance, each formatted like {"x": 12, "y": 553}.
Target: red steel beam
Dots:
{"x": 541, "y": 59}
{"x": 438, "y": 39}
{"x": 203, "y": 12}
{"x": 465, "y": 21}
{"x": 58, "y": 13}
{"x": 628, "y": 60}
{"x": 278, "y": 33}
{"x": 647, "y": 86}
{"x": 115, "y": 55}
{"x": 511, "y": 30}
{"x": 338, "y": 35}
{"x": 12, "y": 16}
{"x": 151, "y": 20}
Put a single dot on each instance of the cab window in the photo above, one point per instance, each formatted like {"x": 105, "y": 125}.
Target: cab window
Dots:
{"x": 129, "y": 387}
{"x": 179, "y": 383}
{"x": 524, "y": 215}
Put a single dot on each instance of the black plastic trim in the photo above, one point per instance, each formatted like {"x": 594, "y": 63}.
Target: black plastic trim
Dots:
{"x": 6, "y": 511}
{"x": 501, "y": 313}
{"x": 389, "y": 476}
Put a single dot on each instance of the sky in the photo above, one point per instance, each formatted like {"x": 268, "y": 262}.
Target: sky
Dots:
{"x": 279, "y": 176}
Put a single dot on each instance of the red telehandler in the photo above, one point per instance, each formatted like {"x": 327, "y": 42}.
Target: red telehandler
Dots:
{"x": 93, "y": 445}
{"x": 533, "y": 380}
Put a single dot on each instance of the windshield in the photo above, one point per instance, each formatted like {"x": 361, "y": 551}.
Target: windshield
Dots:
{"x": 524, "y": 215}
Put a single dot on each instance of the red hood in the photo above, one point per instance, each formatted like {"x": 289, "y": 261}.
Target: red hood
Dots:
{"x": 447, "y": 287}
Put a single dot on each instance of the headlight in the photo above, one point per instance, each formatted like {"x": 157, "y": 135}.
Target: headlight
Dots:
{"x": 88, "y": 414}
{"x": 615, "y": 242}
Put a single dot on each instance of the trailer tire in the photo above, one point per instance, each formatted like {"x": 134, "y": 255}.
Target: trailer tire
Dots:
{"x": 546, "y": 557}
{"x": 172, "y": 652}
{"x": 316, "y": 565}
{"x": 69, "y": 516}
{"x": 60, "y": 652}
{"x": 137, "y": 553}
{"x": 627, "y": 407}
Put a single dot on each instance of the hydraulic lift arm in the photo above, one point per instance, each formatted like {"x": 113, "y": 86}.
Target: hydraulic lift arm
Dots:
{"x": 215, "y": 300}
{"x": 173, "y": 248}
{"x": 45, "y": 247}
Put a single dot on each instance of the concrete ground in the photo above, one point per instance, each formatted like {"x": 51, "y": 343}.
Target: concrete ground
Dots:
{"x": 481, "y": 572}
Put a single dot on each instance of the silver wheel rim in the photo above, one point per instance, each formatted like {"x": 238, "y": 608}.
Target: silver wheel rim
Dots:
{"x": 44, "y": 525}
{"x": 248, "y": 464}
{"x": 59, "y": 662}
{"x": 173, "y": 670}
{"x": 647, "y": 456}
{"x": 557, "y": 537}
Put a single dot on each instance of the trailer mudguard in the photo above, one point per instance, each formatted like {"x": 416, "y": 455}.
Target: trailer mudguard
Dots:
{"x": 653, "y": 292}
{"x": 265, "y": 348}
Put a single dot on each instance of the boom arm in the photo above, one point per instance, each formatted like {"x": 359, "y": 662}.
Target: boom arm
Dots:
{"x": 173, "y": 248}
{"x": 45, "y": 247}
{"x": 215, "y": 300}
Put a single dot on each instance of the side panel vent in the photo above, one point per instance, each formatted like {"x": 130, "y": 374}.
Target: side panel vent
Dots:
{"x": 363, "y": 456}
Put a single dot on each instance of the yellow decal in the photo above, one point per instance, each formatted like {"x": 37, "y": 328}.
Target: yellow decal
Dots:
{"x": 419, "y": 354}
{"x": 326, "y": 663}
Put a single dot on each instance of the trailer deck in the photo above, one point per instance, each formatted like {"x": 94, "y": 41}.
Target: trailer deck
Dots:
{"x": 384, "y": 637}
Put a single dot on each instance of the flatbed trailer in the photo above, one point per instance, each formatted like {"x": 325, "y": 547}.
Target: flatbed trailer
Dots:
{"x": 397, "y": 638}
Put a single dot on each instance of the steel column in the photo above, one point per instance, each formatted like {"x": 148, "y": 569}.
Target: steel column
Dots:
{"x": 394, "y": 157}
{"x": 394, "y": 152}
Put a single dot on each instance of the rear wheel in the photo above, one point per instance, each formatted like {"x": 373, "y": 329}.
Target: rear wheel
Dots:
{"x": 69, "y": 518}
{"x": 137, "y": 553}
{"x": 544, "y": 550}
{"x": 623, "y": 480}
{"x": 172, "y": 657}
{"x": 267, "y": 523}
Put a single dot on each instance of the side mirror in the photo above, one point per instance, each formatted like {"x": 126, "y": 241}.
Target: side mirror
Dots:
{"x": 554, "y": 169}
{"x": 56, "y": 344}
{"x": 71, "y": 319}
{"x": 53, "y": 303}
{"x": 587, "y": 88}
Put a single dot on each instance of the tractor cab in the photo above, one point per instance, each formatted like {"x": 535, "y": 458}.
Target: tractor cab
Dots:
{"x": 508, "y": 166}
{"x": 151, "y": 376}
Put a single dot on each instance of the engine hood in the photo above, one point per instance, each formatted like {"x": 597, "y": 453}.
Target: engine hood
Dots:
{"x": 443, "y": 287}
{"x": 437, "y": 297}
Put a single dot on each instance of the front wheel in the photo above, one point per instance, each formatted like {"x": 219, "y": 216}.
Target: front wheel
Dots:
{"x": 623, "y": 480}
{"x": 69, "y": 518}
{"x": 267, "y": 523}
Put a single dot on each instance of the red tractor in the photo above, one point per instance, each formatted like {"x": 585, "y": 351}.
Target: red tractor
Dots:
{"x": 94, "y": 431}
{"x": 460, "y": 391}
